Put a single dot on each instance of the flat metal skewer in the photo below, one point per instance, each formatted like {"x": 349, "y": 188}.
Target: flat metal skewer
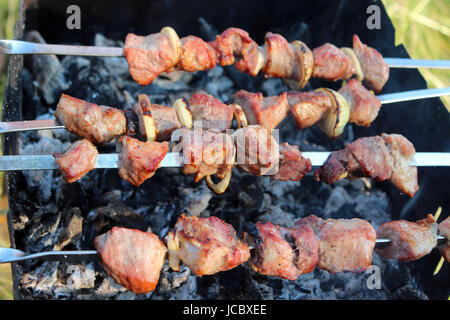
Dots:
{"x": 10, "y": 255}
{"x": 174, "y": 159}
{"x": 52, "y": 124}
{"x": 25, "y": 47}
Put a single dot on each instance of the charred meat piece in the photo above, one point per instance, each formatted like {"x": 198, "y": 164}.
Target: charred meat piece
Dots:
{"x": 364, "y": 157}
{"x": 149, "y": 56}
{"x": 132, "y": 124}
{"x": 364, "y": 105}
{"x": 444, "y": 230}
{"x": 292, "y": 165}
{"x": 132, "y": 258}
{"x": 257, "y": 151}
{"x": 282, "y": 59}
{"x": 331, "y": 63}
{"x": 375, "y": 70}
{"x": 283, "y": 252}
{"x": 156, "y": 122}
{"x": 139, "y": 160}
{"x": 267, "y": 112}
{"x": 212, "y": 113}
{"x": 206, "y": 152}
{"x": 307, "y": 108}
{"x": 409, "y": 240}
{"x": 404, "y": 176}
{"x": 234, "y": 46}
{"x": 206, "y": 245}
{"x": 196, "y": 55}
{"x": 77, "y": 161}
{"x": 344, "y": 244}
{"x": 98, "y": 124}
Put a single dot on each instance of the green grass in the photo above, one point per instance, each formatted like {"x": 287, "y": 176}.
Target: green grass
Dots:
{"x": 423, "y": 27}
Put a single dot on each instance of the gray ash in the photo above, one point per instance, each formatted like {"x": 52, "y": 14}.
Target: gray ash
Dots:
{"x": 50, "y": 214}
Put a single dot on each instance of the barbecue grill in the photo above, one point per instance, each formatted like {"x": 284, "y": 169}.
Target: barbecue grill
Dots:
{"x": 47, "y": 214}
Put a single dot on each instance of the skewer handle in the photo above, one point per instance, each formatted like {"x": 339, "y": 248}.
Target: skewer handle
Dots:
{"x": 25, "y": 47}
{"x": 417, "y": 63}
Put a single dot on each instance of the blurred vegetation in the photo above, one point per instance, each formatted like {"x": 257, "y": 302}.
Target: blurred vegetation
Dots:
{"x": 423, "y": 26}
{"x": 8, "y": 14}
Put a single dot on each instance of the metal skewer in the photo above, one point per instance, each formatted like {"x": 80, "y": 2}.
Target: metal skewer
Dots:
{"x": 173, "y": 159}
{"x": 25, "y": 47}
{"x": 52, "y": 124}
{"x": 10, "y": 255}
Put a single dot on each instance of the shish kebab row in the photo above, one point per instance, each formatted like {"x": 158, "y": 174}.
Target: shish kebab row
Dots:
{"x": 207, "y": 151}
{"x": 207, "y": 246}
{"x": 149, "y": 56}
{"x": 331, "y": 110}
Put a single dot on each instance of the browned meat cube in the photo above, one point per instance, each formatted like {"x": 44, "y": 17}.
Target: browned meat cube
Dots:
{"x": 132, "y": 258}
{"x": 364, "y": 106}
{"x": 212, "y": 113}
{"x": 139, "y": 160}
{"x": 292, "y": 165}
{"x": 331, "y": 63}
{"x": 151, "y": 55}
{"x": 307, "y": 108}
{"x": 444, "y": 230}
{"x": 257, "y": 151}
{"x": 96, "y": 123}
{"x": 312, "y": 221}
{"x": 196, "y": 55}
{"x": 235, "y": 46}
{"x": 410, "y": 240}
{"x": 375, "y": 70}
{"x": 206, "y": 245}
{"x": 267, "y": 112}
{"x": 206, "y": 152}
{"x": 404, "y": 175}
{"x": 344, "y": 244}
{"x": 156, "y": 122}
{"x": 364, "y": 157}
{"x": 282, "y": 252}
{"x": 77, "y": 161}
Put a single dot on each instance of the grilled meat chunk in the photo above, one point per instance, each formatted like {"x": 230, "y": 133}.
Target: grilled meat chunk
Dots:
{"x": 257, "y": 151}
{"x": 307, "y": 108}
{"x": 132, "y": 258}
{"x": 139, "y": 160}
{"x": 444, "y": 230}
{"x": 98, "y": 124}
{"x": 364, "y": 157}
{"x": 196, "y": 55}
{"x": 234, "y": 46}
{"x": 375, "y": 70}
{"x": 77, "y": 161}
{"x": 207, "y": 245}
{"x": 331, "y": 63}
{"x": 212, "y": 113}
{"x": 379, "y": 158}
{"x": 404, "y": 176}
{"x": 206, "y": 152}
{"x": 364, "y": 106}
{"x": 282, "y": 59}
{"x": 149, "y": 56}
{"x": 410, "y": 240}
{"x": 267, "y": 112}
{"x": 292, "y": 165}
{"x": 156, "y": 122}
{"x": 283, "y": 252}
{"x": 344, "y": 244}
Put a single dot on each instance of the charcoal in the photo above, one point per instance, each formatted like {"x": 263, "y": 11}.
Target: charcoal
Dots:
{"x": 195, "y": 200}
{"x": 48, "y": 71}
